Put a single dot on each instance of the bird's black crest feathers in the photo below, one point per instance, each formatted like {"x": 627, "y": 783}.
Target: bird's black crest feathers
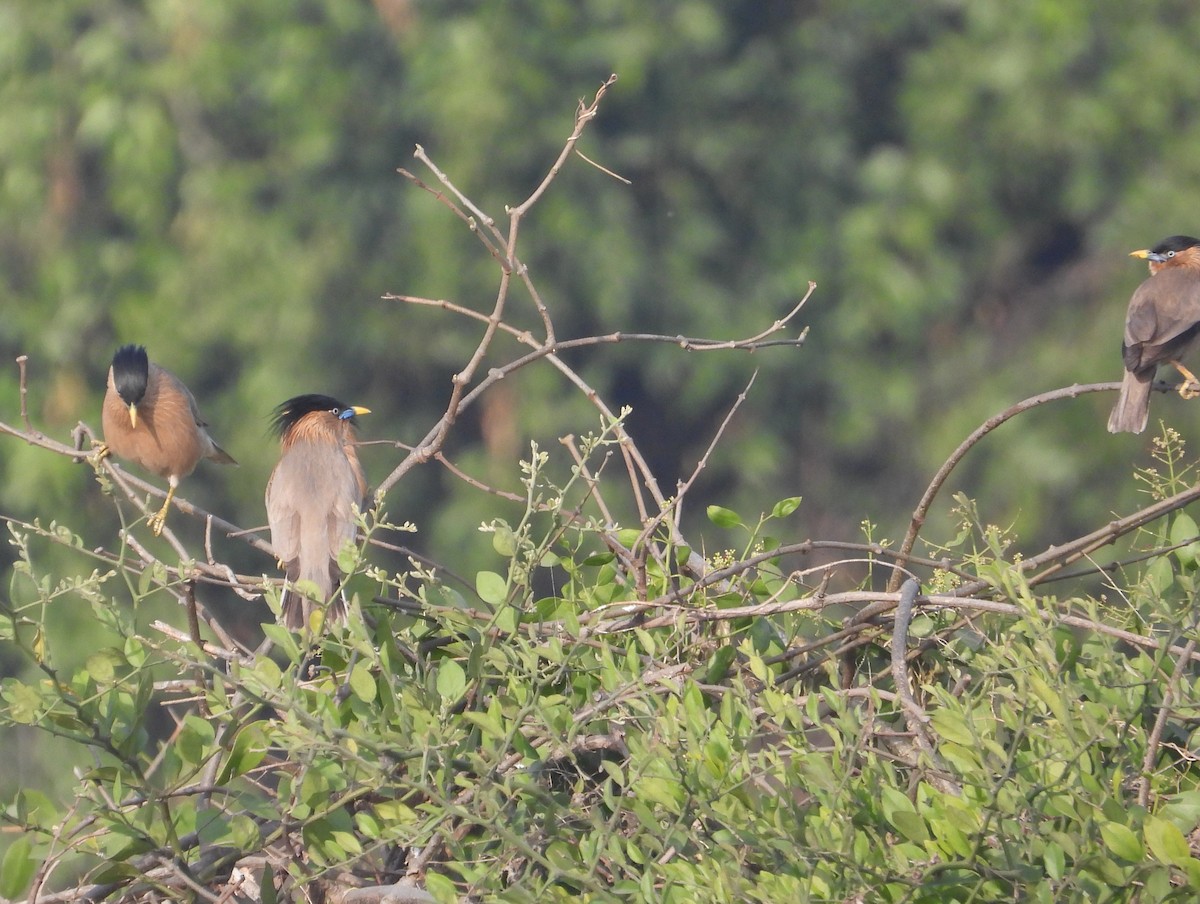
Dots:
{"x": 131, "y": 373}
{"x": 1174, "y": 243}
{"x": 289, "y": 413}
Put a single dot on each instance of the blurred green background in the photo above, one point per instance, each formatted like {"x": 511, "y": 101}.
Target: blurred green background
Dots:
{"x": 962, "y": 180}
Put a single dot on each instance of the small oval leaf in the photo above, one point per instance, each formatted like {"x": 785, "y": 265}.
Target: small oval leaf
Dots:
{"x": 451, "y": 680}
{"x": 491, "y": 587}
{"x": 785, "y": 507}
{"x": 723, "y": 517}
{"x": 1121, "y": 841}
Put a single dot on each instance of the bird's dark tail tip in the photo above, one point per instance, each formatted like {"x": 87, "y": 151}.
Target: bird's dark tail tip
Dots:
{"x": 1132, "y": 410}
{"x": 221, "y": 457}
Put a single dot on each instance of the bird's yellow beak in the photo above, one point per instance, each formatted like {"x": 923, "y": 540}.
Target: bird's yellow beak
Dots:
{"x": 1142, "y": 253}
{"x": 358, "y": 409}
{"x": 133, "y": 415}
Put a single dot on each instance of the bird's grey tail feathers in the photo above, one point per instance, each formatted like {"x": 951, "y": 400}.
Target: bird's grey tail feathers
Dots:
{"x": 1132, "y": 410}
{"x": 297, "y": 608}
{"x": 220, "y": 456}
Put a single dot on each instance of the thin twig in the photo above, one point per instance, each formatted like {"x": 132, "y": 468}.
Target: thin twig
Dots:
{"x": 457, "y": 211}
{"x": 22, "y": 360}
{"x": 687, "y": 343}
{"x": 602, "y": 169}
{"x": 592, "y": 481}
{"x": 681, "y": 490}
{"x": 1182, "y": 665}
{"x": 583, "y": 116}
{"x": 194, "y": 627}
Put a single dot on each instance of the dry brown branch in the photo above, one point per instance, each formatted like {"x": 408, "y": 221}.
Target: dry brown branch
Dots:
{"x": 642, "y": 481}
{"x": 687, "y": 343}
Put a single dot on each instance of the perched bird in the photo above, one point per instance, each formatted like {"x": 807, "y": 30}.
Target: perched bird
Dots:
{"x": 150, "y": 418}
{"x": 1162, "y": 324}
{"x": 311, "y": 497}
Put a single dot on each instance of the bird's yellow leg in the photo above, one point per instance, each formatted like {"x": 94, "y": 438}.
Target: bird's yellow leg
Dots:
{"x": 159, "y": 519}
{"x": 101, "y": 452}
{"x": 1190, "y": 388}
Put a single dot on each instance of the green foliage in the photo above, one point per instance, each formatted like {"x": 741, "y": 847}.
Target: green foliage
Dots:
{"x": 618, "y": 737}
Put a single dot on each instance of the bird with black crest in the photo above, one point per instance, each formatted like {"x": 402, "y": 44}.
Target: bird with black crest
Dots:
{"x": 311, "y": 499}
{"x": 1161, "y": 326}
{"x": 149, "y": 417}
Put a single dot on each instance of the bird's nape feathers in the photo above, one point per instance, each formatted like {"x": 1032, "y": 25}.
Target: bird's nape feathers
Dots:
{"x": 288, "y": 414}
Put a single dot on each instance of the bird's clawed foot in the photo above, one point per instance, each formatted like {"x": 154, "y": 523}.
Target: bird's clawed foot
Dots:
{"x": 100, "y": 453}
{"x": 1190, "y": 387}
{"x": 158, "y": 520}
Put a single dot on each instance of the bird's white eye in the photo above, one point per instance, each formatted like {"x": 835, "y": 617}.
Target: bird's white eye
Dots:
{"x": 1170, "y": 254}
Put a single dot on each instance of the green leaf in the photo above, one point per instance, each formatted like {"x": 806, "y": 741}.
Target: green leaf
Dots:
{"x": 451, "y": 680}
{"x": 1192, "y": 868}
{"x": 562, "y": 856}
{"x": 17, "y": 867}
{"x": 268, "y": 672}
{"x": 214, "y": 828}
{"x": 487, "y": 723}
{"x": 362, "y": 682}
{"x": 900, "y": 812}
{"x": 503, "y": 541}
{"x": 195, "y": 740}
{"x": 249, "y": 749}
{"x": 1167, "y": 844}
{"x": 628, "y": 537}
{"x": 25, "y": 703}
{"x": 1159, "y": 576}
{"x": 367, "y": 825}
{"x": 785, "y": 507}
{"x": 441, "y": 888}
{"x": 723, "y": 517}
{"x": 1183, "y": 808}
{"x": 102, "y": 665}
{"x": 1048, "y": 695}
{"x": 1055, "y": 861}
{"x": 719, "y": 663}
{"x": 267, "y": 884}
{"x": 347, "y": 558}
{"x": 952, "y": 726}
{"x": 1183, "y": 531}
{"x": 491, "y": 587}
{"x": 911, "y": 825}
{"x": 348, "y": 842}
{"x": 1121, "y": 841}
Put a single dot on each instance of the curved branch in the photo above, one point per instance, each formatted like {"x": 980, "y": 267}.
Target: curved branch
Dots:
{"x": 922, "y": 509}
{"x": 913, "y": 713}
